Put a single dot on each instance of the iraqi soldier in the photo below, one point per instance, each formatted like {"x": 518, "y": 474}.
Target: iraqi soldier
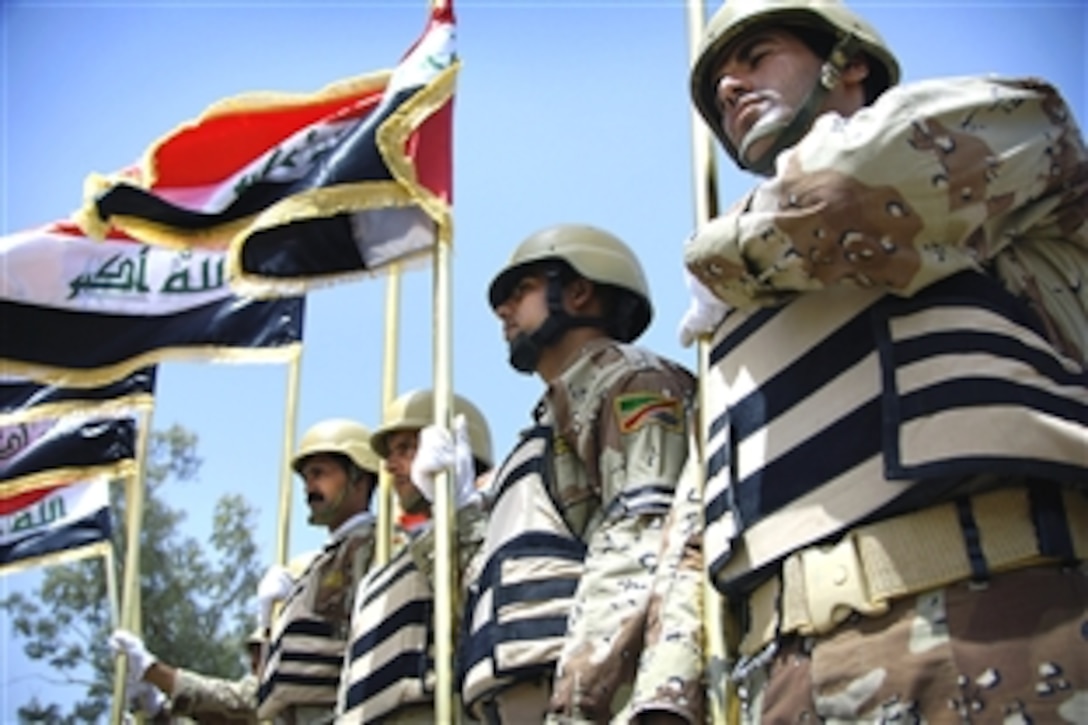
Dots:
{"x": 556, "y": 618}
{"x": 388, "y": 673}
{"x": 898, "y": 407}
{"x": 167, "y": 692}
{"x": 300, "y": 678}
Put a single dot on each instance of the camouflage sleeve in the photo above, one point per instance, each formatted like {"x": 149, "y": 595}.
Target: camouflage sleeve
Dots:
{"x": 640, "y": 439}
{"x": 934, "y": 178}
{"x": 671, "y": 670}
{"x": 196, "y": 696}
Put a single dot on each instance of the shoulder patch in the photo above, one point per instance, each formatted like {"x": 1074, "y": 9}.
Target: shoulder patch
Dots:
{"x": 634, "y": 410}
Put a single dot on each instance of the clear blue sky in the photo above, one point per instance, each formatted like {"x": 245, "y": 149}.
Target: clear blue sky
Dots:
{"x": 565, "y": 111}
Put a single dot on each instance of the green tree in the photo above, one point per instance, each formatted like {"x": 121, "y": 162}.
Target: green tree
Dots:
{"x": 196, "y": 597}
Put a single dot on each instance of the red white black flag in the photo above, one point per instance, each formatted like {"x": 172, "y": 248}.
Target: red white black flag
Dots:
{"x": 303, "y": 189}
{"x": 53, "y": 520}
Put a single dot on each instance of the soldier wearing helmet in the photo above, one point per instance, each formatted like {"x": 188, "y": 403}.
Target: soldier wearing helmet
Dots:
{"x": 898, "y": 328}
{"x": 308, "y": 637}
{"x": 388, "y": 674}
{"x": 557, "y": 614}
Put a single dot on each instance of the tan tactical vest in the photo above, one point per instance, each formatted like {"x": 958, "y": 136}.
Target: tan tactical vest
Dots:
{"x": 850, "y": 405}
{"x": 310, "y": 636}
{"x": 516, "y": 611}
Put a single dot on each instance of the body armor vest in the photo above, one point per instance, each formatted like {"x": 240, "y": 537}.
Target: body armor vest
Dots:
{"x": 310, "y": 635}
{"x": 390, "y": 663}
{"x": 852, "y": 405}
{"x": 516, "y": 612}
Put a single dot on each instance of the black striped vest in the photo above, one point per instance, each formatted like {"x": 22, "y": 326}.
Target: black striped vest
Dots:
{"x": 516, "y": 611}
{"x": 307, "y": 649}
{"x": 389, "y": 663}
{"x": 849, "y": 404}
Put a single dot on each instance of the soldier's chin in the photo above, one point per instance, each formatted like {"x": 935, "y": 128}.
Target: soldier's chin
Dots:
{"x": 319, "y": 516}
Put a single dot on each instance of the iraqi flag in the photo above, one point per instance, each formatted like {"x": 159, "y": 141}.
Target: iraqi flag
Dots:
{"x": 303, "y": 189}
{"x": 53, "y": 521}
{"x": 24, "y": 400}
{"x": 36, "y": 453}
{"x": 76, "y": 312}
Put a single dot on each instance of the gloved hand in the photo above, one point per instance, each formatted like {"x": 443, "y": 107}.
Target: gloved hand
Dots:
{"x": 139, "y": 659}
{"x": 437, "y": 451}
{"x": 275, "y": 585}
{"x": 145, "y": 697}
{"x": 704, "y": 313}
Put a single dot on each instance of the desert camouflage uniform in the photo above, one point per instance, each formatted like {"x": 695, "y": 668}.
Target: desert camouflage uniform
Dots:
{"x": 671, "y": 674}
{"x": 208, "y": 700}
{"x": 389, "y": 673}
{"x": 300, "y": 680}
{"x": 908, "y": 348}
{"x": 614, "y": 430}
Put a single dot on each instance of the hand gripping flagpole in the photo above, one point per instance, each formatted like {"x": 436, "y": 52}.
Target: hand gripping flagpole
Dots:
{"x": 722, "y": 702}
{"x": 445, "y": 555}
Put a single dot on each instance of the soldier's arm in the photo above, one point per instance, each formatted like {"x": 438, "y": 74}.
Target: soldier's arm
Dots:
{"x": 640, "y": 436}
{"x": 195, "y": 695}
{"x": 933, "y": 179}
{"x": 670, "y": 678}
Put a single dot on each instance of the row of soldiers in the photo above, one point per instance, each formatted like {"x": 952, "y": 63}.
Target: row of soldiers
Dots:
{"x": 889, "y": 470}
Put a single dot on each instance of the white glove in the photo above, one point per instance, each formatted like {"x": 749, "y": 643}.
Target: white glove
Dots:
{"x": 275, "y": 585}
{"x": 437, "y": 451}
{"x": 704, "y": 313}
{"x": 139, "y": 659}
{"x": 146, "y": 698}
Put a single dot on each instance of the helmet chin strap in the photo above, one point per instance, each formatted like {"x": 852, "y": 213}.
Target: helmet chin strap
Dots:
{"x": 526, "y": 348}
{"x": 787, "y": 133}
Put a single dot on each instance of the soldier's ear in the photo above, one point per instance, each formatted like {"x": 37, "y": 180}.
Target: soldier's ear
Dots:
{"x": 856, "y": 70}
{"x": 579, "y": 293}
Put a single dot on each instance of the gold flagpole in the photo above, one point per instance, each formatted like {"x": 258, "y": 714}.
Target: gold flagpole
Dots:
{"x": 389, "y": 390}
{"x": 131, "y": 618}
{"x": 118, "y": 707}
{"x": 445, "y": 555}
{"x": 444, "y": 525}
{"x": 721, "y": 699}
{"x": 290, "y": 420}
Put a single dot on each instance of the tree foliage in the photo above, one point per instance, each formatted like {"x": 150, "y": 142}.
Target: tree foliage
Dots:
{"x": 196, "y": 596}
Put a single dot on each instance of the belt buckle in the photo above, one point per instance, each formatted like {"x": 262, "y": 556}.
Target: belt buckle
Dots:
{"x": 835, "y": 586}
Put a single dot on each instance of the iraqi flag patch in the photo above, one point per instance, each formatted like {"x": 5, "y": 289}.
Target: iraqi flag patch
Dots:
{"x": 634, "y": 410}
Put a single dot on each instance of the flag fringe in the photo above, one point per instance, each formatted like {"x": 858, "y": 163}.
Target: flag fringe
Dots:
{"x": 65, "y": 556}
{"x": 43, "y": 411}
{"x": 58, "y": 476}
{"x": 93, "y": 377}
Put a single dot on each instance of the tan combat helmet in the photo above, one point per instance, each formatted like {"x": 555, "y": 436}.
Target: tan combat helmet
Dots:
{"x": 338, "y": 435}
{"x": 415, "y": 409}
{"x": 850, "y": 32}
{"x": 594, "y": 254}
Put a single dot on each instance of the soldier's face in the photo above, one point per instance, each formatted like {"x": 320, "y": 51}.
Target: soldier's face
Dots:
{"x": 526, "y": 308}
{"x": 762, "y": 80}
{"x": 326, "y": 486}
{"x": 402, "y": 451}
